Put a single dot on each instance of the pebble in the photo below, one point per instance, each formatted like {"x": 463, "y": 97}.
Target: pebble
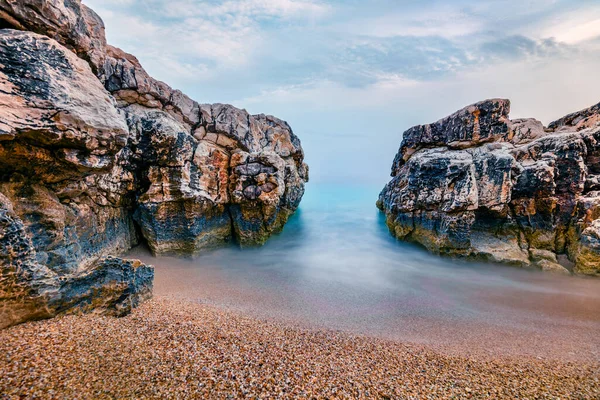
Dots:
{"x": 172, "y": 349}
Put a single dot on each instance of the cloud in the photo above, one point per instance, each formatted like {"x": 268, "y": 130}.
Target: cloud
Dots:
{"x": 412, "y": 57}
{"x": 540, "y": 89}
{"x": 280, "y": 43}
{"x": 575, "y": 27}
{"x": 442, "y": 22}
{"x": 518, "y": 47}
{"x": 198, "y": 40}
{"x": 566, "y": 21}
{"x": 281, "y": 9}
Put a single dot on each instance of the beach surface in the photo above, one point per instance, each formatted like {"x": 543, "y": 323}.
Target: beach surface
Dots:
{"x": 171, "y": 348}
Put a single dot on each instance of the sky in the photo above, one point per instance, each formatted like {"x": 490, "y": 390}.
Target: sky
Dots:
{"x": 351, "y": 76}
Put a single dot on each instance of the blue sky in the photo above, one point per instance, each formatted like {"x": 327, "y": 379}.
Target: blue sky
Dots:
{"x": 351, "y": 76}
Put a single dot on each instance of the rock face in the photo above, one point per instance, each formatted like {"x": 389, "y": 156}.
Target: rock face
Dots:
{"x": 96, "y": 156}
{"x": 480, "y": 185}
{"x": 31, "y": 290}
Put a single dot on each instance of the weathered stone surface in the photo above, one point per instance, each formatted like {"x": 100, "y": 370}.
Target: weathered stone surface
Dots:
{"x": 235, "y": 176}
{"x": 31, "y": 290}
{"x": 481, "y": 122}
{"x": 69, "y": 22}
{"x": 587, "y": 118}
{"x": 57, "y": 120}
{"x": 113, "y": 286}
{"x": 95, "y": 155}
{"x": 25, "y": 282}
{"x": 59, "y": 135}
{"x": 476, "y": 184}
{"x": 60, "y": 131}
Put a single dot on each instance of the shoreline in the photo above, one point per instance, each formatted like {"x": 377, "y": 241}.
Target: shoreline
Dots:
{"x": 556, "y": 322}
{"x": 174, "y": 348}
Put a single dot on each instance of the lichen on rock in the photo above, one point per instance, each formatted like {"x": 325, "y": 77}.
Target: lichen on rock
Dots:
{"x": 479, "y": 185}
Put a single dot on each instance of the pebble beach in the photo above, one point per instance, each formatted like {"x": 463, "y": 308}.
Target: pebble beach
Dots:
{"x": 180, "y": 349}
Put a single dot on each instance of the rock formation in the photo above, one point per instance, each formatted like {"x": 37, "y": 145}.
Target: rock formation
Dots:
{"x": 95, "y": 155}
{"x": 480, "y": 185}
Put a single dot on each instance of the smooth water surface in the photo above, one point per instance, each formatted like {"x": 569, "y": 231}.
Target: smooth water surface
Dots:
{"x": 336, "y": 266}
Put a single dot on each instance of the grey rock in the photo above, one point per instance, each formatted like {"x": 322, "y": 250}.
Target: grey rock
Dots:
{"x": 478, "y": 185}
{"x": 30, "y": 290}
{"x": 587, "y": 118}
{"x": 481, "y": 122}
{"x": 57, "y": 120}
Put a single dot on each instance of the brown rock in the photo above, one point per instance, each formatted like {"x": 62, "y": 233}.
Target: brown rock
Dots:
{"x": 69, "y": 22}
{"x": 90, "y": 145}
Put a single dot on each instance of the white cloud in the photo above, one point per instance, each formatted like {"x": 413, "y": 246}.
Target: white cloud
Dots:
{"x": 443, "y": 22}
{"x": 186, "y": 47}
{"x": 572, "y": 25}
{"x": 196, "y": 39}
{"x": 582, "y": 27}
{"x": 241, "y": 8}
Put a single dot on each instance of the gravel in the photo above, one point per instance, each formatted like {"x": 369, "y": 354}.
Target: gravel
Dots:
{"x": 178, "y": 349}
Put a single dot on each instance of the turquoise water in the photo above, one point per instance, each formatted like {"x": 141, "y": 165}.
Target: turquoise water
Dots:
{"x": 335, "y": 265}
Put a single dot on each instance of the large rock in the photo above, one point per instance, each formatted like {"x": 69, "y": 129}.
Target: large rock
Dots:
{"x": 233, "y": 177}
{"x": 57, "y": 119}
{"x": 96, "y": 155}
{"x": 477, "y": 184}
{"x": 31, "y": 290}
{"x": 59, "y": 130}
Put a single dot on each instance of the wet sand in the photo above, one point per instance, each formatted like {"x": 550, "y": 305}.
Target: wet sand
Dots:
{"x": 545, "y": 317}
{"x": 181, "y": 349}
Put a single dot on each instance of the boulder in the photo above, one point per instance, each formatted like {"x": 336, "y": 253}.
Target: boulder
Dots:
{"x": 57, "y": 122}
{"x": 31, "y": 290}
{"x": 96, "y": 156}
{"x": 60, "y": 131}
{"x": 479, "y": 185}
{"x": 481, "y": 122}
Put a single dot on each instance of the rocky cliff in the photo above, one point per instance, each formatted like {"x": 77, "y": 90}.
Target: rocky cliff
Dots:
{"x": 96, "y": 155}
{"x": 480, "y": 185}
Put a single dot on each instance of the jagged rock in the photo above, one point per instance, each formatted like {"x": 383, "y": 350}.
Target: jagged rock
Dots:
{"x": 113, "y": 286}
{"x": 96, "y": 154}
{"x": 25, "y": 282}
{"x": 30, "y": 290}
{"x": 587, "y": 118}
{"x": 57, "y": 120}
{"x": 476, "y": 184}
{"x": 59, "y": 129}
{"x": 460, "y": 130}
{"x": 69, "y": 22}
{"x": 235, "y": 176}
